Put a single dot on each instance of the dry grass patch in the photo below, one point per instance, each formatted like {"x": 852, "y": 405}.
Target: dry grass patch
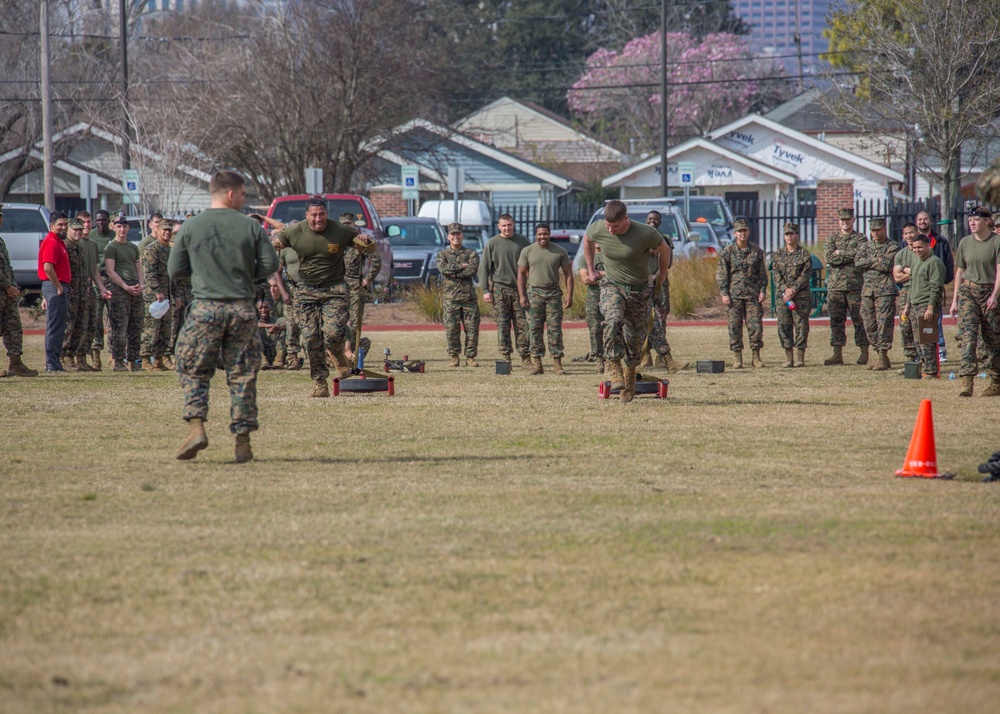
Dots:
{"x": 499, "y": 544}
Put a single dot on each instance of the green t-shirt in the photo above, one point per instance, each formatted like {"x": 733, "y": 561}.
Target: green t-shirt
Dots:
{"x": 101, "y": 240}
{"x": 90, "y": 254}
{"x": 290, "y": 259}
{"x": 626, "y": 257}
{"x": 222, "y": 252}
{"x": 979, "y": 258}
{"x": 927, "y": 280}
{"x": 498, "y": 266}
{"x": 125, "y": 256}
{"x": 321, "y": 255}
{"x": 543, "y": 264}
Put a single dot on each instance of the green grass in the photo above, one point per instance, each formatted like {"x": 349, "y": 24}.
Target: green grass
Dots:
{"x": 487, "y": 543}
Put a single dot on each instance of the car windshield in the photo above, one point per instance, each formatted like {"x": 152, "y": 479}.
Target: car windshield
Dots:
{"x": 711, "y": 211}
{"x": 704, "y": 231}
{"x": 287, "y": 211}
{"x": 472, "y": 240}
{"x": 417, "y": 234}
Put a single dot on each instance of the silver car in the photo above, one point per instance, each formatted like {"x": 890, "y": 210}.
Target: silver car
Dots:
{"x": 672, "y": 223}
{"x": 25, "y": 226}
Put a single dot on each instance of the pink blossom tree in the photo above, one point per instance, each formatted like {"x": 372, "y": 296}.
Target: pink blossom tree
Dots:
{"x": 710, "y": 82}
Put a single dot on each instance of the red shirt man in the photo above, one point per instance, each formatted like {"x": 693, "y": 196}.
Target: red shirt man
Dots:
{"x": 53, "y": 251}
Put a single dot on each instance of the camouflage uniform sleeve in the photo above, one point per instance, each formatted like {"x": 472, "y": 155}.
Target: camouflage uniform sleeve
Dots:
{"x": 6, "y": 271}
{"x": 846, "y": 253}
{"x": 150, "y": 264}
{"x": 805, "y": 274}
{"x": 722, "y": 272}
{"x": 374, "y": 266}
{"x": 760, "y": 273}
{"x": 778, "y": 274}
{"x": 473, "y": 259}
{"x": 883, "y": 262}
{"x": 863, "y": 257}
{"x": 441, "y": 260}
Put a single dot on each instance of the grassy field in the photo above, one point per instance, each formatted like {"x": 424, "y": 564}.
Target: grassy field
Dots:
{"x": 480, "y": 543}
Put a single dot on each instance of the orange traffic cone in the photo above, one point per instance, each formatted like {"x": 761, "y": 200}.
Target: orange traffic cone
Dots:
{"x": 921, "y": 457}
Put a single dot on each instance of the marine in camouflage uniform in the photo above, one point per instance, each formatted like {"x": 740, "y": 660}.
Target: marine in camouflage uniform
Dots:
{"x": 156, "y": 334}
{"x": 290, "y": 264}
{"x": 843, "y": 288}
{"x": 272, "y": 332}
{"x": 975, "y": 301}
{"x": 926, "y": 297}
{"x": 538, "y": 289}
{"x": 903, "y": 265}
{"x": 498, "y": 280}
{"x": 458, "y": 267}
{"x": 101, "y": 236}
{"x": 10, "y": 319}
{"x": 791, "y": 269}
{"x": 592, "y": 306}
{"x": 76, "y": 317}
{"x": 661, "y": 305}
{"x": 876, "y": 258}
{"x": 358, "y": 280}
{"x": 742, "y": 278}
{"x": 92, "y": 294}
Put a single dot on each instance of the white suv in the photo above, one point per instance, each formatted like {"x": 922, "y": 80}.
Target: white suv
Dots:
{"x": 24, "y": 228}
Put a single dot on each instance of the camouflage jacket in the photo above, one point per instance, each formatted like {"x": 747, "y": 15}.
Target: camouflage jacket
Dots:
{"x": 841, "y": 249}
{"x": 353, "y": 262}
{"x": 458, "y": 268}
{"x": 791, "y": 270}
{"x": 77, "y": 281}
{"x": 741, "y": 273}
{"x": 6, "y": 270}
{"x": 876, "y": 260}
{"x": 154, "y": 269}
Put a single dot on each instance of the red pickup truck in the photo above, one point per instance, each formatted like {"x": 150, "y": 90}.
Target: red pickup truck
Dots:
{"x": 366, "y": 218}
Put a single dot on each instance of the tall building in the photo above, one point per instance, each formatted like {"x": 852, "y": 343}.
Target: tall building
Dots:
{"x": 775, "y": 23}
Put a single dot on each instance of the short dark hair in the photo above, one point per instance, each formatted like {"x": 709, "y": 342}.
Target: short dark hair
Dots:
{"x": 83, "y": 214}
{"x": 315, "y": 202}
{"x": 910, "y": 225}
{"x": 225, "y": 181}
{"x": 102, "y": 214}
{"x": 505, "y": 217}
{"x": 542, "y": 225}
{"x": 614, "y": 211}
{"x": 654, "y": 212}
{"x": 155, "y": 214}
{"x": 56, "y": 216}
{"x": 920, "y": 237}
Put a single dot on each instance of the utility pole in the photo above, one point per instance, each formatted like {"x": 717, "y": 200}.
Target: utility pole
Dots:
{"x": 46, "y": 64}
{"x": 798, "y": 43}
{"x": 664, "y": 134}
{"x": 126, "y": 124}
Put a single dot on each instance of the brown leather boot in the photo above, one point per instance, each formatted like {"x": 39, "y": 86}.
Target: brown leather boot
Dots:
{"x": 17, "y": 368}
{"x": 536, "y": 366}
{"x": 837, "y": 358}
{"x": 863, "y": 357}
{"x": 617, "y": 377}
{"x": 471, "y": 362}
{"x": 628, "y": 391}
{"x": 881, "y": 362}
{"x": 966, "y": 386}
{"x": 789, "y": 358}
{"x": 557, "y": 367}
{"x": 800, "y": 358}
{"x": 757, "y": 361}
{"x": 322, "y": 389}
{"x": 672, "y": 364}
{"x": 737, "y": 359}
{"x": 67, "y": 363}
{"x": 159, "y": 365}
{"x": 455, "y": 362}
{"x": 994, "y": 389}
{"x": 97, "y": 360}
{"x": 243, "y": 453}
{"x": 81, "y": 364}
{"x": 295, "y": 364}
{"x": 196, "y": 439}
{"x": 527, "y": 364}
{"x": 280, "y": 360}
{"x": 340, "y": 362}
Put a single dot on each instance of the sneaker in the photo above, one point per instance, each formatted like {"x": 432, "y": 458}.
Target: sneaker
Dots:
{"x": 942, "y": 355}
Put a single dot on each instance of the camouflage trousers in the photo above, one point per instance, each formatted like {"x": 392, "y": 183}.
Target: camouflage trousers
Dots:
{"x": 658, "y": 332}
{"x": 83, "y": 333}
{"x": 626, "y": 320}
{"x": 878, "y": 312}
{"x": 975, "y": 321}
{"x": 324, "y": 313}
{"x": 358, "y": 296}
{"x": 181, "y": 300}
{"x": 906, "y": 328}
{"x": 507, "y": 311}
{"x": 10, "y": 325}
{"x": 76, "y": 321}
{"x": 292, "y": 332}
{"x": 928, "y": 354}
{"x": 125, "y": 315}
{"x": 102, "y": 308}
{"x": 155, "y": 333}
{"x": 793, "y": 325}
{"x": 455, "y": 316}
{"x": 226, "y": 328}
{"x": 270, "y": 345}
{"x": 748, "y": 312}
{"x": 838, "y": 304}
{"x": 545, "y": 315}
{"x": 595, "y": 320}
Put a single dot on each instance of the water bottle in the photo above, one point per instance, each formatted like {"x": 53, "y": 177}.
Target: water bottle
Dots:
{"x": 982, "y": 375}
{"x": 790, "y": 304}
{"x": 951, "y": 375}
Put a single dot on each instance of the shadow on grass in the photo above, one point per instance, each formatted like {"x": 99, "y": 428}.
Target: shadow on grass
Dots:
{"x": 394, "y": 459}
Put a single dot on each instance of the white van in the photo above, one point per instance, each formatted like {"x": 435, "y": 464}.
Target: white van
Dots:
{"x": 473, "y": 215}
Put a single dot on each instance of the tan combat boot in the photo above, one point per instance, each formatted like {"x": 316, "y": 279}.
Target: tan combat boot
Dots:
{"x": 672, "y": 364}
{"x": 280, "y": 360}
{"x": 628, "y": 391}
{"x": 196, "y": 439}
{"x": 471, "y": 362}
{"x": 600, "y": 365}
{"x": 800, "y": 358}
{"x": 81, "y": 364}
{"x": 647, "y": 360}
{"x": 67, "y": 363}
{"x": 243, "y": 453}
{"x": 322, "y": 389}
{"x": 455, "y": 362}
{"x": 617, "y": 377}
{"x": 863, "y": 357}
{"x": 527, "y": 364}
{"x": 340, "y": 363}
{"x": 557, "y": 367}
{"x": 168, "y": 360}
{"x": 159, "y": 365}
{"x": 295, "y": 364}
{"x": 757, "y": 361}
{"x": 536, "y": 366}
{"x": 837, "y": 358}
{"x": 789, "y": 358}
{"x": 17, "y": 368}
{"x": 994, "y": 389}
{"x": 966, "y": 386}
{"x": 97, "y": 360}
{"x": 881, "y": 362}
{"x": 120, "y": 366}
{"x": 737, "y": 359}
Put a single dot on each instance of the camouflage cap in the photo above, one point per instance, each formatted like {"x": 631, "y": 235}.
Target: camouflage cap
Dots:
{"x": 741, "y": 224}
{"x": 454, "y": 228}
{"x": 996, "y": 216}
{"x": 876, "y": 224}
{"x": 166, "y": 223}
{"x": 791, "y": 228}
{"x": 845, "y": 214}
{"x": 76, "y": 223}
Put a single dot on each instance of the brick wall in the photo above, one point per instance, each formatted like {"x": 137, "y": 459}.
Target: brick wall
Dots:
{"x": 389, "y": 202}
{"x": 831, "y": 196}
